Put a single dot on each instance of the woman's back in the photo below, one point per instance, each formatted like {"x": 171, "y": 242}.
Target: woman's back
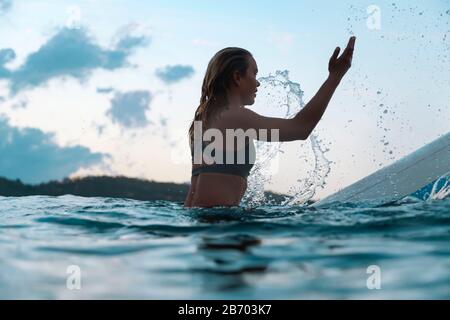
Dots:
{"x": 224, "y": 180}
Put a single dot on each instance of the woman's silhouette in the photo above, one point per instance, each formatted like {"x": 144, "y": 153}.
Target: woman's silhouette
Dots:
{"x": 229, "y": 85}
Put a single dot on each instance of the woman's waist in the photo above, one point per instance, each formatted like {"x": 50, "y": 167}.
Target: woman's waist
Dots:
{"x": 213, "y": 179}
{"x": 242, "y": 170}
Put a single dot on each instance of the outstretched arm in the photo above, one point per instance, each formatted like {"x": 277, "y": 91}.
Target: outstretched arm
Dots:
{"x": 304, "y": 122}
{"x": 311, "y": 114}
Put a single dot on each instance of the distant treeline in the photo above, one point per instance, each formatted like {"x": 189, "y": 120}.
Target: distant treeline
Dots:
{"x": 104, "y": 186}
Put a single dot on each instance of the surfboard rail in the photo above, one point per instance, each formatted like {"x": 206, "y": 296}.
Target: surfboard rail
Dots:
{"x": 400, "y": 179}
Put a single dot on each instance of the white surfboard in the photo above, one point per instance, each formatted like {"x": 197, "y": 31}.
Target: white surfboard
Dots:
{"x": 405, "y": 177}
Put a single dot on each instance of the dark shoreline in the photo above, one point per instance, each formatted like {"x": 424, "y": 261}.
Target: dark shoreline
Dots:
{"x": 105, "y": 186}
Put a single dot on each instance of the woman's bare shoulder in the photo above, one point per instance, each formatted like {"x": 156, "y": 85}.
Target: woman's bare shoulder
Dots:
{"x": 230, "y": 117}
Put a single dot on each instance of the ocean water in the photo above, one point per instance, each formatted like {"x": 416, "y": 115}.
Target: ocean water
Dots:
{"x": 97, "y": 248}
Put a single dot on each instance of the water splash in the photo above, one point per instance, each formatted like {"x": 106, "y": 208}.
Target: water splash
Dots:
{"x": 441, "y": 188}
{"x": 306, "y": 187}
{"x": 280, "y": 97}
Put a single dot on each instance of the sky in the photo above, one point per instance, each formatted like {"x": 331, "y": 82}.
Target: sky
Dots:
{"x": 110, "y": 86}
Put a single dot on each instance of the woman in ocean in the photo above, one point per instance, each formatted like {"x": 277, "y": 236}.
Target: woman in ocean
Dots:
{"x": 229, "y": 85}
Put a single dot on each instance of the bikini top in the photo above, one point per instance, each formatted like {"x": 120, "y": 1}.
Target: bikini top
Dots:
{"x": 232, "y": 167}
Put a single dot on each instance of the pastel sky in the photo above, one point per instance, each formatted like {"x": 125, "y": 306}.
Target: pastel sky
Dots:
{"x": 110, "y": 86}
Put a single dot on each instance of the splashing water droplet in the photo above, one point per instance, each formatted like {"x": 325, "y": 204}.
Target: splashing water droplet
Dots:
{"x": 283, "y": 98}
{"x": 441, "y": 188}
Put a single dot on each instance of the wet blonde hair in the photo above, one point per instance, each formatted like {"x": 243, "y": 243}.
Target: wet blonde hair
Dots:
{"x": 216, "y": 83}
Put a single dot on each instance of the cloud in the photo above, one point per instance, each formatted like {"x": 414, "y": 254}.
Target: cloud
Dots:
{"x": 132, "y": 35}
{"x": 71, "y": 52}
{"x": 6, "y": 56}
{"x": 31, "y": 155}
{"x": 21, "y": 104}
{"x": 100, "y": 129}
{"x": 163, "y": 122}
{"x": 5, "y": 6}
{"x": 105, "y": 90}
{"x": 128, "y": 109}
{"x": 172, "y": 74}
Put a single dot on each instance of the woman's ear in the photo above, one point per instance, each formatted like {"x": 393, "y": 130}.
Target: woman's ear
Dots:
{"x": 237, "y": 78}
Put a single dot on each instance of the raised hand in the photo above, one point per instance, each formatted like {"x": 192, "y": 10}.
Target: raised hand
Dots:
{"x": 338, "y": 67}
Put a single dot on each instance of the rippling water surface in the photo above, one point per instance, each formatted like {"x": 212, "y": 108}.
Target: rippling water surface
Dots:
{"x": 135, "y": 249}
